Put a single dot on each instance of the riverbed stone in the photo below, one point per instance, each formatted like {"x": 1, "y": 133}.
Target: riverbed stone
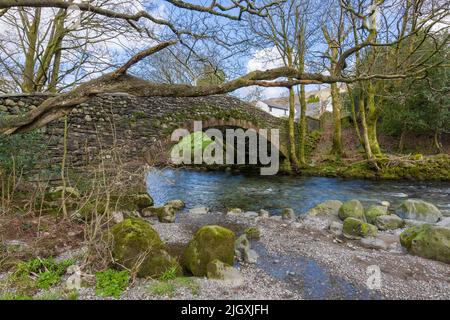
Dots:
{"x": 427, "y": 241}
{"x": 288, "y": 214}
{"x": 253, "y": 233}
{"x": 209, "y": 243}
{"x": 199, "y": 210}
{"x": 375, "y": 211}
{"x": 351, "y": 209}
{"x": 419, "y": 210}
{"x": 235, "y": 211}
{"x": 216, "y": 269}
{"x": 264, "y": 214}
{"x": 336, "y": 228}
{"x": 374, "y": 243}
{"x": 142, "y": 200}
{"x": 330, "y": 207}
{"x": 176, "y": 204}
{"x": 357, "y": 229}
{"x": 389, "y": 222}
{"x": 166, "y": 214}
{"x": 137, "y": 245}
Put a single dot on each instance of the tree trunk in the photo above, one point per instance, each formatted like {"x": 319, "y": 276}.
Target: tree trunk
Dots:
{"x": 28, "y": 84}
{"x": 292, "y": 152}
{"x": 337, "y": 135}
{"x": 303, "y": 126}
{"x": 401, "y": 144}
{"x": 354, "y": 117}
{"x": 437, "y": 142}
{"x": 372, "y": 120}
{"x": 362, "y": 109}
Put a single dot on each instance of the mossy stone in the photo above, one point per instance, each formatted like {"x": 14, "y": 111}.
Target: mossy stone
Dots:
{"x": 375, "y": 211}
{"x": 351, "y": 209}
{"x": 137, "y": 245}
{"x": 407, "y": 236}
{"x": 330, "y": 207}
{"x": 209, "y": 243}
{"x": 357, "y": 229}
{"x": 432, "y": 243}
{"x": 389, "y": 222}
{"x": 419, "y": 210}
{"x": 253, "y": 233}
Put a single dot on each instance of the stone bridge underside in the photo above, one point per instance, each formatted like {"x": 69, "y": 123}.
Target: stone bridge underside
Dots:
{"x": 134, "y": 127}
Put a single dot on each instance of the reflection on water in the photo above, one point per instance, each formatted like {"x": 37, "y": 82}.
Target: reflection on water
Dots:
{"x": 221, "y": 190}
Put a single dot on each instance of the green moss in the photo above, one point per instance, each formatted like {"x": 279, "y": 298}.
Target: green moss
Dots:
{"x": 209, "y": 243}
{"x": 354, "y": 228}
{"x": 353, "y": 209}
{"x": 137, "y": 244}
{"x": 407, "y": 236}
{"x": 373, "y": 212}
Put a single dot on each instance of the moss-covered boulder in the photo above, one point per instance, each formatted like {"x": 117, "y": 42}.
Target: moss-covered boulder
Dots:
{"x": 136, "y": 245}
{"x": 375, "y": 211}
{"x": 431, "y": 242}
{"x": 357, "y": 229}
{"x": 330, "y": 207}
{"x": 419, "y": 210}
{"x": 253, "y": 233}
{"x": 142, "y": 200}
{"x": 351, "y": 209}
{"x": 389, "y": 222}
{"x": 209, "y": 243}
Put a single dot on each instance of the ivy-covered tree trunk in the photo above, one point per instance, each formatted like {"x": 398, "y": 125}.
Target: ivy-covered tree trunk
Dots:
{"x": 362, "y": 109}
{"x": 303, "y": 126}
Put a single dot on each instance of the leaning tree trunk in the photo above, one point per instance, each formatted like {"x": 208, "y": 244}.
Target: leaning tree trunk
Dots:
{"x": 291, "y": 125}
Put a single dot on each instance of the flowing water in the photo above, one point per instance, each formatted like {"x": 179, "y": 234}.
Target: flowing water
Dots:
{"x": 221, "y": 190}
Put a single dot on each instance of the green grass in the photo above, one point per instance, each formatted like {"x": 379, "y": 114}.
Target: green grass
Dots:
{"x": 111, "y": 283}
{"x": 168, "y": 288}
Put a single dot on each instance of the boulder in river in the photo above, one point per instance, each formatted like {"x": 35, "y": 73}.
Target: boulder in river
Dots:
{"x": 427, "y": 241}
{"x": 419, "y": 210}
{"x": 137, "y": 244}
{"x": 375, "y": 211}
{"x": 199, "y": 210}
{"x": 357, "y": 229}
{"x": 209, "y": 243}
{"x": 288, "y": 214}
{"x": 330, "y": 207}
{"x": 351, "y": 209}
{"x": 389, "y": 222}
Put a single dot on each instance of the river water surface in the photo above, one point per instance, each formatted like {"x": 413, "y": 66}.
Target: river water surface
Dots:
{"x": 221, "y": 190}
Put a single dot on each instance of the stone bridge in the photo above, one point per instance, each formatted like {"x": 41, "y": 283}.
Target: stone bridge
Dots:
{"x": 139, "y": 126}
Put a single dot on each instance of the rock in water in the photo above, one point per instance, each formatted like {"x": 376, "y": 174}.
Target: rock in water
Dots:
{"x": 136, "y": 244}
{"x": 419, "y": 210}
{"x": 288, "y": 214}
{"x": 351, "y": 209}
{"x": 427, "y": 241}
{"x": 330, "y": 207}
{"x": 209, "y": 243}
{"x": 389, "y": 222}
{"x": 216, "y": 269}
{"x": 374, "y": 211}
{"x": 357, "y": 229}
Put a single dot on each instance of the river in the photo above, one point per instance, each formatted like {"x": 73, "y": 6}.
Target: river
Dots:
{"x": 222, "y": 190}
